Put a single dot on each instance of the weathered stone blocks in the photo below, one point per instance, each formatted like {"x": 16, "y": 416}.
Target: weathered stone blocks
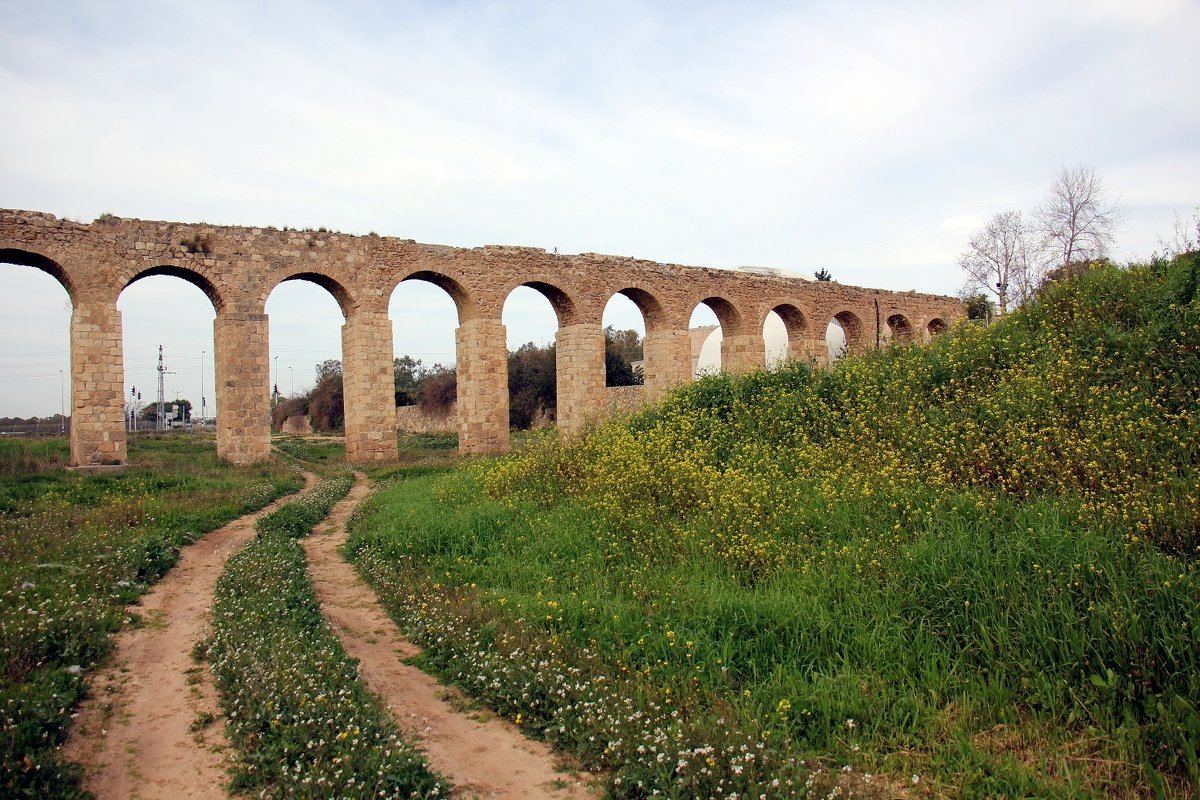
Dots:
{"x": 237, "y": 267}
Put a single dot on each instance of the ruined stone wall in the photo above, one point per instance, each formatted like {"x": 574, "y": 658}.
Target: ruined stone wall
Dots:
{"x": 621, "y": 401}
{"x": 413, "y": 419}
{"x": 238, "y": 267}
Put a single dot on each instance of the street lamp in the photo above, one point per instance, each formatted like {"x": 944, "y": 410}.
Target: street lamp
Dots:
{"x": 276, "y": 379}
{"x": 202, "y": 411}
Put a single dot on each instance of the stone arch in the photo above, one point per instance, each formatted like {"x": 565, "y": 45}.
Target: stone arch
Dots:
{"x": 421, "y": 328}
{"x": 94, "y": 401}
{"x": 564, "y": 307}
{"x": 799, "y": 333}
{"x": 531, "y": 316}
{"x": 742, "y": 350}
{"x": 40, "y": 364}
{"x": 618, "y": 305}
{"x": 666, "y": 346}
{"x": 853, "y": 328}
{"x": 341, "y": 294}
{"x": 653, "y": 313}
{"x": 462, "y": 300}
{"x": 196, "y": 279}
{"x": 936, "y": 327}
{"x": 27, "y": 258}
{"x": 901, "y": 329}
{"x": 727, "y": 313}
{"x": 161, "y": 305}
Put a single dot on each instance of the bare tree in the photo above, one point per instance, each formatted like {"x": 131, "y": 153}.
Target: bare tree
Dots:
{"x": 1077, "y": 221}
{"x": 998, "y": 262}
{"x": 1187, "y": 237}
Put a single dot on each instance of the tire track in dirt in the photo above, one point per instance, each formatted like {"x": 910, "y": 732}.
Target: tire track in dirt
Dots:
{"x": 482, "y": 755}
{"x": 151, "y": 726}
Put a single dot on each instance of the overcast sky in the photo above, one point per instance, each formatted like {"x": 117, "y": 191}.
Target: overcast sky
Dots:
{"x": 870, "y": 139}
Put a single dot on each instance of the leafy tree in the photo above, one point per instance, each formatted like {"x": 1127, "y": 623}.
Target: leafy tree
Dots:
{"x": 326, "y": 405}
{"x": 408, "y": 374}
{"x": 439, "y": 389}
{"x": 289, "y": 407}
{"x": 532, "y": 385}
{"x": 979, "y": 307}
{"x": 1077, "y": 221}
{"x": 329, "y": 369}
{"x": 180, "y": 410}
{"x": 823, "y": 275}
{"x": 621, "y": 350}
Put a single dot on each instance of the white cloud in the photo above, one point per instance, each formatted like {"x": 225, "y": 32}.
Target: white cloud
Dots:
{"x": 864, "y": 138}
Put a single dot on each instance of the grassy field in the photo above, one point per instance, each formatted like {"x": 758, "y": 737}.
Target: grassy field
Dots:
{"x": 964, "y": 570}
{"x": 75, "y": 549}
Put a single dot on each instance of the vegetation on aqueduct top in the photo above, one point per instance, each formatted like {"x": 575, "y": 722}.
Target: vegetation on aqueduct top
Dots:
{"x": 75, "y": 550}
{"x": 967, "y": 569}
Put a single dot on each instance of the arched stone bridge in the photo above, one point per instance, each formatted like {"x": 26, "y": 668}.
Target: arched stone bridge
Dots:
{"x": 237, "y": 268}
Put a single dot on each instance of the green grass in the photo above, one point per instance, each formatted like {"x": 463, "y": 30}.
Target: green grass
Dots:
{"x": 31, "y": 456}
{"x": 302, "y": 722}
{"x": 310, "y": 449}
{"x": 961, "y": 570}
{"x": 75, "y": 549}
{"x": 415, "y": 442}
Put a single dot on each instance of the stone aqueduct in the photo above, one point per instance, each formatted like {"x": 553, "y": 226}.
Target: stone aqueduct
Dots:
{"x": 237, "y": 267}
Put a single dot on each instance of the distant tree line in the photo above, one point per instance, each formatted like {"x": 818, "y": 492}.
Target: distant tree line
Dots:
{"x": 178, "y": 410}
{"x": 532, "y": 384}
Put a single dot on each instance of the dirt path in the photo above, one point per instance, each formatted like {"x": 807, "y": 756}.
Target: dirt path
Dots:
{"x": 142, "y": 732}
{"x": 482, "y": 755}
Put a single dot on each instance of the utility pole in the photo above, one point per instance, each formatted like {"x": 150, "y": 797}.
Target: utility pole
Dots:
{"x": 162, "y": 394}
{"x": 203, "y": 413}
{"x": 62, "y": 403}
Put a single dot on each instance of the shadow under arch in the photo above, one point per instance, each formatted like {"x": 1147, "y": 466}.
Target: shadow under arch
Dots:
{"x": 191, "y": 276}
{"x": 936, "y": 327}
{"x": 727, "y": 314}
{"x": 901, "y": 329}
{"x": 27, "y": 258}
{"x": 852, "y": 328}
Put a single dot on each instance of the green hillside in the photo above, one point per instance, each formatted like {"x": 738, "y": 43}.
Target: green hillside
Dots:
{"x": 967, "y": 569}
